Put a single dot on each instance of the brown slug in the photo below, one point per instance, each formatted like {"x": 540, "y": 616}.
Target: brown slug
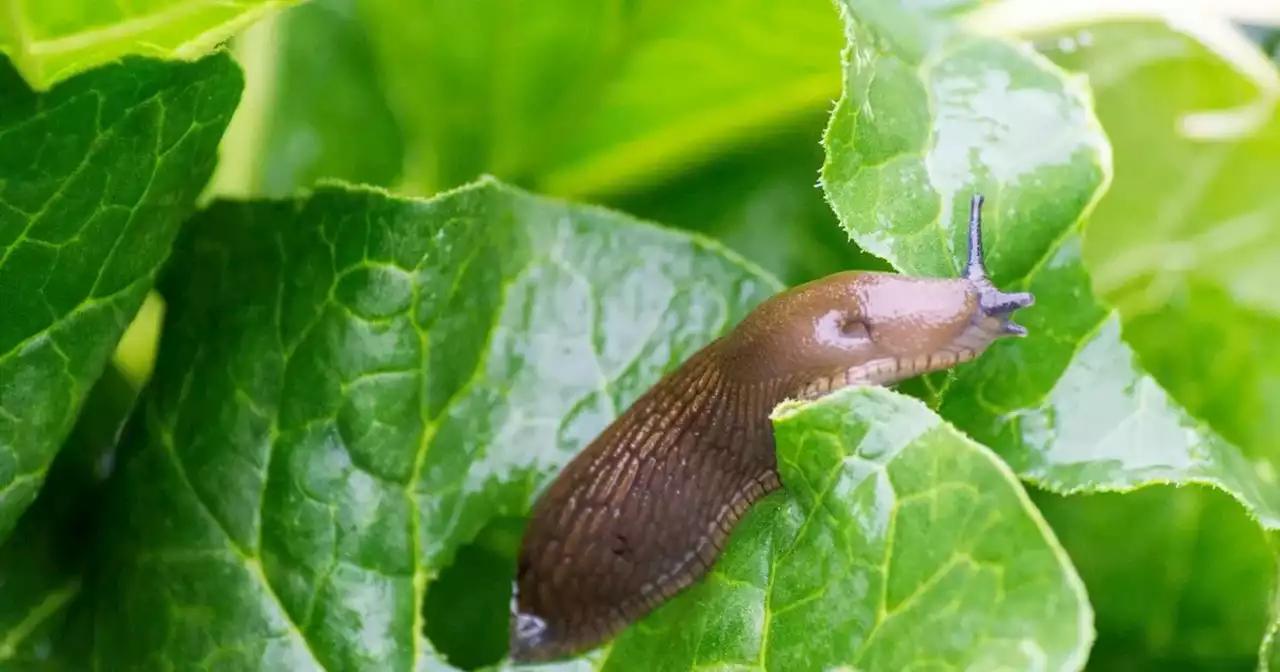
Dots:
{"x": 645, "y": 509}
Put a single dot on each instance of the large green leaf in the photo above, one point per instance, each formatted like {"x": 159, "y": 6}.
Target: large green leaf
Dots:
{"x": 95, "y": 178}
{"x": 892, "y": 525}
{"x": 353, "y": 385}
{"x": 52, "y": 40}
{"x": 575, "y": 98}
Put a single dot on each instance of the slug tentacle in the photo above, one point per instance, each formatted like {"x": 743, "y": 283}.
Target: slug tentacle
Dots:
{"x": 645, "y": 509}
{"x": 994, "y": 302}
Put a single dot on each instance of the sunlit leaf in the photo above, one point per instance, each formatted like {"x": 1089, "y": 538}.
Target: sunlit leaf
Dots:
{"x": 52, "y": 40}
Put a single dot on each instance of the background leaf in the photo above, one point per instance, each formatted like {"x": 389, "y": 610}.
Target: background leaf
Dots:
{"x": 46, "y": 562}
{"x": 324, "y": 430}
{"x": 1269, "y": 653}
{"x": 1186, "y": 237}
{"x": 761, "y": 200}
{"x": 1181, "y": 245}
{"x": 95, "y": 177}
{"x": 1180, "y": 576}
{"x": 556, "y": 97}
{"x": 534, "y": 95}
{"x": 52, "y": 41}
{"x": 892, "y": 524}
{"x": 283, "y": 137}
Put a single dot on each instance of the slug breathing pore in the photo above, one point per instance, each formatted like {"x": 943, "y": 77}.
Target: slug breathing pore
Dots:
{"x": 645, "y": 509}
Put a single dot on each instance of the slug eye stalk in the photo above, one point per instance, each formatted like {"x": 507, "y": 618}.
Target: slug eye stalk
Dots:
{"x": 992, "y": 301}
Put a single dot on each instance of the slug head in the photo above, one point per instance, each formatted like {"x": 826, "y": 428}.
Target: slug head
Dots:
{"x": 863, "y": 328}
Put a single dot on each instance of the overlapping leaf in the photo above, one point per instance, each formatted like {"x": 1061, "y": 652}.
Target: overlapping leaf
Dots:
{"x": 1269, "y": 654}
{"x": 52, "y": 41}
{"x": 1193, "y": 588}
{"x": 44, "y": 612}
{"x": 1188, "y": 234}
{"x": 1070, "y": 408}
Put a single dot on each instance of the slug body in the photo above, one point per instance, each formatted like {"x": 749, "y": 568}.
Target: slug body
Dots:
{"x": 646, "y": 508}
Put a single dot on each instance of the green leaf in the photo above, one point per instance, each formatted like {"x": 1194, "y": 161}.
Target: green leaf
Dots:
{"x": 352, "y": 386}
{"x": 761, "y": 201}
{"x": 1069, "y": 408}
{"x": 892, "y": 525}
{"x": 95, "y": 177}
{"x": 301, "y": 105}
{"x": 50, "y": 41}
{"x": 44, "y": 563}
{"x": 1186, "y": 238}
{"x": 1230, "y": 380}
{"x": 561, "y": 94}
{"x": 1270, "y": 651}
{"x": 916, "y": 134}
{"x": 1192, "y": 583}
{"x": 41, "y": 576}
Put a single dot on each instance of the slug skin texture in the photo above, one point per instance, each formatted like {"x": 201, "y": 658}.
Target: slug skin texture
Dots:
{"x": 646, "y": 508}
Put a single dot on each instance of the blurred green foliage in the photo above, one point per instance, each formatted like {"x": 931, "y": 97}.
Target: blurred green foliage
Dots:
{"x": 349, "y": 417}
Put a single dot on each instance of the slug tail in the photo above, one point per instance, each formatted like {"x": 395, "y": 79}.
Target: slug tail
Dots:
{"x": 531, "y": 640}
